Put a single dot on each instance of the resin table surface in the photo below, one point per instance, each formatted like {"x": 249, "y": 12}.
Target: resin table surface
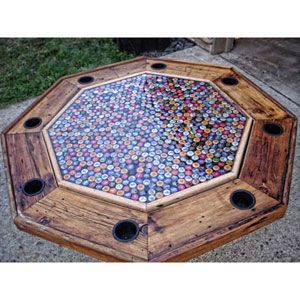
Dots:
{"x": 149, "y": 160}
{"x": 147, "y": 136}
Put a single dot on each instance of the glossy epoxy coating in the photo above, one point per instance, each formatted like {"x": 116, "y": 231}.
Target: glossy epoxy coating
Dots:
{"x": 147, "y": 136}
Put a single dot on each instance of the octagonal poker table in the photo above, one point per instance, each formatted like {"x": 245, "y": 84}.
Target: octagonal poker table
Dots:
{"x": 150, "y": 160}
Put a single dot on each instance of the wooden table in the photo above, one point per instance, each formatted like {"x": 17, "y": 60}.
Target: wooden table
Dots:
{"x": 149, "y": 160}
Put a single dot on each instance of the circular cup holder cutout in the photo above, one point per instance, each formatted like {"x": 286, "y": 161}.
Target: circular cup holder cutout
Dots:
{"x": 229, "y": 81}
{"x": 158, "y": 66}
{"x": 242, "y": 199}
{"x": 273, "y": 129}
{"x": 33, "y": 187}
{"x": 126, "y": 231}
{"x": 85, "y": 79}
{"x": 32, "y": 122}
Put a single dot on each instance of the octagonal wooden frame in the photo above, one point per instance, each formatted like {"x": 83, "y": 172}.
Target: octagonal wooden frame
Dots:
{"x": 171, "y": 230}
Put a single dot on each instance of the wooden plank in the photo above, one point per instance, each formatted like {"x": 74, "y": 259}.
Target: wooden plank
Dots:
{"x": 126, "y": 69}
{"x": 103, "y": 196}
{"x": 186, "y": 62}
{"x": 28, "y": 158}
{"x": 12, "y": 202}
{"x": 225, "y": 235}
{"x": 290, "y": 164}
{"x": 179, "y": 227}
{"x": 265, "y": 163}
{"x": 272, "y": 100}
{"x": 46, "y": 107}
{"x": 68, "y": 241}
{"x": 251, "y": 98}
{"x": 189, "y": 69}
{"x": 90, "y": 220}
{"x": 12, "y": 124}
{"x": 110, "y": 72}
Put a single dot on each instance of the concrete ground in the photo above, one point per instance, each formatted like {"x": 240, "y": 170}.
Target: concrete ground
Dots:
{"x": 272, "y": 64}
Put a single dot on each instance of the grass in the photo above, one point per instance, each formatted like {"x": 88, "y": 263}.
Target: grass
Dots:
{"x": 30, "y": 66}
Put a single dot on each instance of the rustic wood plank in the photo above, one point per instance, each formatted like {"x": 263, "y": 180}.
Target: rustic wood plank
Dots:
{"x": 189, "y": 69}
{"x": 110, "y": 72}
{"x": 289, "y": 173}
{"x": 103, "y": 196}
{"x": 90, "y": 220}
{"x": 251, "y": 98}
{"x": 265, "y": 163}
{"x": 28, "y": 158}
{"x": 172, "y": 228}
{"x": 187, "y": 62}
{"x": 224, "y": 235}
{"x": 69, "y": 241}
{"x": 12, "y": 202}
{"x": 122, "y": 70}
{"x": 31, "y": 106}
{"x": 46, "y": 107}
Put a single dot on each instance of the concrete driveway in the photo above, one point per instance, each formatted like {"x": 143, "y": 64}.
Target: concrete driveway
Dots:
{"x": 272, "y": 64}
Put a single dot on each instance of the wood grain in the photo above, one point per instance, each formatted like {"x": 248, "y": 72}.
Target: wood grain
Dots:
{"x": 224, "y": 235}
{"x": 28, "y": 158}
{"x": 110, "y": 72}
{"x": 290, "y": 164}
{"x": 69, "y": 241}
{"x": 46, "y": 107}
{"x": 31, "y": 106}
{"x": 266, "y": 158}
{"x": 11, "y": 198}
{"x": 258, "y": 104}
{"x": 90, "y": 220}
{"x": 173, "y": 228}
{"x": 189, "y": 69}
